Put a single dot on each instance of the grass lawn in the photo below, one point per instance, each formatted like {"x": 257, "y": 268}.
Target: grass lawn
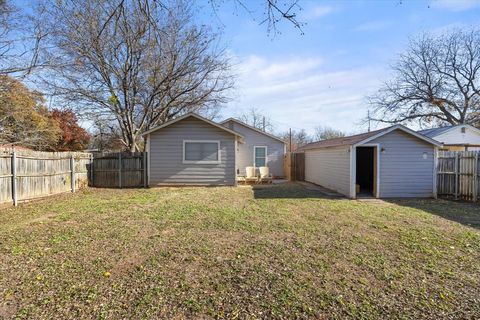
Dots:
{"x": 275, "y": 252}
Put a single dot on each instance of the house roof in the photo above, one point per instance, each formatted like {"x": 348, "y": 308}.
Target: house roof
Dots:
{"x": 434, "y": 132}
{"x": 363, "y": 138}
{"x": 14, "y": 146}
{"x": 252, "y": 128}
{"x": 191, "y": 114}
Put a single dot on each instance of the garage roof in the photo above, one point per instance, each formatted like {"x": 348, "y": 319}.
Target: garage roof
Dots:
{"x": 364, "y": 138}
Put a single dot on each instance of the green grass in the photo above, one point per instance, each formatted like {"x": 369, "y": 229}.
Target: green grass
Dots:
{"x": 274, "y": 252}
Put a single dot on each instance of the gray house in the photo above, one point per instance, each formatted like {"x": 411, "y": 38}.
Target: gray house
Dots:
{"x": 258, "y": 149}
{"x": 394, "y": 162}
{"x": 192, "y": 150}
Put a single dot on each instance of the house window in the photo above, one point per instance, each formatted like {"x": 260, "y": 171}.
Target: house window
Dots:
{"x": 201, "y": 151}
{"x": 260, "y": 156}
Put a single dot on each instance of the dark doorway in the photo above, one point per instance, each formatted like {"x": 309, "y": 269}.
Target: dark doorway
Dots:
{"x": 365, "y": 171}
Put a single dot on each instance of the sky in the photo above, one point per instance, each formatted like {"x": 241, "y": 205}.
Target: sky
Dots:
{"x": 322, "y": 77}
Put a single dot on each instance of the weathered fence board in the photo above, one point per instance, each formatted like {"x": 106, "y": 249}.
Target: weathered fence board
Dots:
{"x": 457, "y": 174}
{"x": 5, "y": 176}
{"x": 26, "y": 174}
{"x": 119, "y": 170}
{"x": 294, "y": 166}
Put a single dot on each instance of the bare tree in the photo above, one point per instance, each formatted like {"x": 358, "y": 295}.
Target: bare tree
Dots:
{"x": 437, "y": 80}
{"x": 275, "y": 11}
{"x": 140, "y": 62}
{"x": 20, "y": 40}
{"x": 324, "y": 133}
{"x": 298, "y": 138}
{"x": 254, "y": 118}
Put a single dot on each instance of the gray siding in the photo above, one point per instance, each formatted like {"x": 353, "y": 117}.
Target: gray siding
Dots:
{"x": 166, "y": 155}
{"x": 275, "y": 149}
{"x": 403, "y": 171}
{"x": 329, "y": 167}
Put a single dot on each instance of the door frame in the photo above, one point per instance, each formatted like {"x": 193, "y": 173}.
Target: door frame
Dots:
{"x": 376, "y": 169}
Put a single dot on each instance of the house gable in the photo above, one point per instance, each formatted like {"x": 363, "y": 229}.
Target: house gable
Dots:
{"x": 275, "y": 148}
{"x": 167, "y": 163}
{"x": 231, "y": 122}
{"x": 193, "y": 115}
{"x": 455, "y": 136}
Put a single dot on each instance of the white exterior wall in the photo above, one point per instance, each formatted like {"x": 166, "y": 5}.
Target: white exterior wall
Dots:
{"x": 455, "y": 136}
{"x": 329, "y": 168}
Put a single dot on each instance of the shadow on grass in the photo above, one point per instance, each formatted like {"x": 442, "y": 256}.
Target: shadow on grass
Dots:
{"x": 465, "y": 213}
{"x": 288, "y": 191}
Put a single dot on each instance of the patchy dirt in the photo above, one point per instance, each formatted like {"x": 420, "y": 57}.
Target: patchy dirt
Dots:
{"x": 285, "y": 251}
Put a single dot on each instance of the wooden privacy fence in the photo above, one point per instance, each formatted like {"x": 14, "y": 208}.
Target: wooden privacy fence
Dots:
{"x": 119, "y": 170}
{"x": 26, "y": 175}
{"x": 295, "y": 166}
{"x": 458, "y": 175}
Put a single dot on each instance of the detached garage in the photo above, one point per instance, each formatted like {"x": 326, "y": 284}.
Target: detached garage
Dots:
{"x": 394, "y": 162}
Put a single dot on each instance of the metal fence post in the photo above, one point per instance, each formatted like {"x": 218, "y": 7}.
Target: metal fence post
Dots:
{"x": 120, "y": 170}
{"x": 14, "y": 178}
{"x": 72, "y": 173}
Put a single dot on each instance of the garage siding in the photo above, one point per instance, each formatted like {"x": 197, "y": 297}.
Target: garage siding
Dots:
{"x": 403, "y": 171}
{"x": 166, "y": 155}
{"x": 329, "y": 167}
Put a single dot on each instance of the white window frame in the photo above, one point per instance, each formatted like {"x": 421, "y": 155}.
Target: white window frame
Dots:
{"x": 202, "y": 161}
{"x": 255, "y": 152}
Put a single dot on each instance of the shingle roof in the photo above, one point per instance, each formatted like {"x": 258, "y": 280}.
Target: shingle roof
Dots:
{"x": 252, "y": 128}
{"x": 192, "y": 114}
{"x": 343, "y": 141}
{"x": 433, "y": 132}
{"x": 365, "y": 137}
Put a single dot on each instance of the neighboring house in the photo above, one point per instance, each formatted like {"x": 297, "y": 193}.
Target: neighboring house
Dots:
{"x": 387, "y": 163}
{"x": 192, "y": 150}
{"x": 461, "y": 137}
{"x": 258, "y": 149}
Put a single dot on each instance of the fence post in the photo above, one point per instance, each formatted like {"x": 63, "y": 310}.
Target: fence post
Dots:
{"x": 120, "y": 170}
{"x": 72, "y": 173}
{"x": 145, "y": 173}
{"x": 457, "y": 162}
{"x": 14, "y": 178}
{"x": 91, "y": 170}
{"x": 475, "y": 176}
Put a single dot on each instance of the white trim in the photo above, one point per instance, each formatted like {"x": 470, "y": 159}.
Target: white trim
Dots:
{"x": 435, "y": 162}
{"x": 353, "y": 168}
{"x": 148, "y": 160}
{"x": 219, "y": 160}
{"x": 235, "y": 163}
{"x": 404, "y": 129}
{"x": 253, "y": 128}
{"x": 376, "y": 145}
{"x": 255, "y": 152}
{"x": 166, "y": 124}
